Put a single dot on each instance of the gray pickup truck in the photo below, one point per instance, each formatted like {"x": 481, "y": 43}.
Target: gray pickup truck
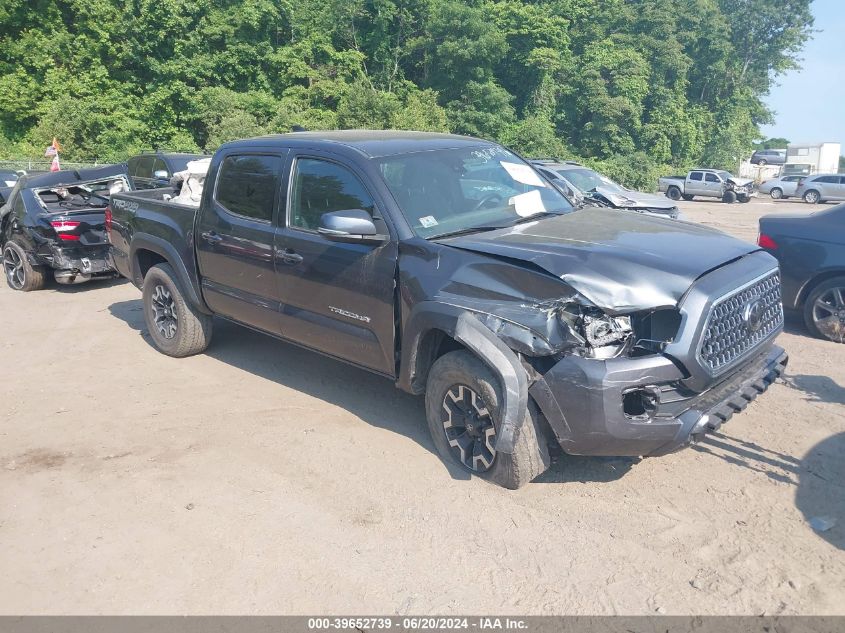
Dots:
{"x": 448, "y": 265}
{"x": 708, "y": 183}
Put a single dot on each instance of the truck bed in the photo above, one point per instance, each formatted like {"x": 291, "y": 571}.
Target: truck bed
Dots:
{"x": 140, "y": 216}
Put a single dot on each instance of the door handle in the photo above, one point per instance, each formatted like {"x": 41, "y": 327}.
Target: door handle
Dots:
{"x": 212, "y": 237}
{"x": 289, "y": 256}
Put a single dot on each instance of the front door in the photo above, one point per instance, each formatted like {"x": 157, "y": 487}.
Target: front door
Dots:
{"x": 337, "y": 297}
{"x": 235, "y": 239}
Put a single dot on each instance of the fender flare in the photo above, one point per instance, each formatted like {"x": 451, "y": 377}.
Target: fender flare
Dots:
{"x": 468, "y": 330}
{"x": 144, "y": 241}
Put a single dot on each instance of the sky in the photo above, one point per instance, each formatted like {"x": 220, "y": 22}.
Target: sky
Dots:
{"x": 809, "y": 103}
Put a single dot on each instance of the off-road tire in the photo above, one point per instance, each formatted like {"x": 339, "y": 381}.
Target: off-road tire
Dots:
{"x": 815, "y": 293}
{"x": 34, "y": 277}
{"x": 776, "y": 193}
{"x": 530, "y": 456}
{"x": 193, "y": 328}
{"x": 729, "y": 197}
{"x": 687, "y": 196}
{"x": 673, "y": 193}
{"x": 812, "y": 197}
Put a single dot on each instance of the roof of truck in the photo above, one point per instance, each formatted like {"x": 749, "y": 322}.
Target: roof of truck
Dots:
{"x": 373, "y": 143}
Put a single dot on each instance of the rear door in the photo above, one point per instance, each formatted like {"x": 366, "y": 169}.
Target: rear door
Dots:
{"x": 694, "y": 185}
{"x": 235, "y": 237}
{"x": 337, "y": 298}
{"x": 789, "y": 185}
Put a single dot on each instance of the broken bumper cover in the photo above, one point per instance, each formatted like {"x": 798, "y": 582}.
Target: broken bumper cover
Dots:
{"x": 88, "y": 260}
{"x": 584, "y": 401}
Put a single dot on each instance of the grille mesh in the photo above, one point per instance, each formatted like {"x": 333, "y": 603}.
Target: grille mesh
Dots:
{"x": 727, "y": 335}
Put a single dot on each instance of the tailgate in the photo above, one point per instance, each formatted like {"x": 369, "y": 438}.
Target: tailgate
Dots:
{"x": 80, "y": 228}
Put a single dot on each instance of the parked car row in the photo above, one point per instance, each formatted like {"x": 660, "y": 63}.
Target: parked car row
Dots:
{"x": 455, "y": 268}
{"x": 812, "y": 189}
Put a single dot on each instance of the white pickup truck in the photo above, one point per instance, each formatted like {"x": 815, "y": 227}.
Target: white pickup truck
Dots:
{"x": 710, "y": 183}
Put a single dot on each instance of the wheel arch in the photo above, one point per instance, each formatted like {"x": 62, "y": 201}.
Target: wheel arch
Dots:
{"x": 435, "y": 329}
{"x": 811, "y": 283}
{"x": 147, "y": 250}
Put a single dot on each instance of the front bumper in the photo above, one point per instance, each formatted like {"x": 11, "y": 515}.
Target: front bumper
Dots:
{"x": 584, "y": 401}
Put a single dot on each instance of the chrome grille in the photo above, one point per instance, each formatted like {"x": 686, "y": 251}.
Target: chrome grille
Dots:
{"x": 739, "y": 322}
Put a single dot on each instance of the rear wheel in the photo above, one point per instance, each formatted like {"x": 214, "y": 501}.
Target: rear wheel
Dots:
{"x": 763, "y": 162}
{"x": 462, "y": 402}
{"x": 824, "y": 310}
{"x": 729, "y": 197}
{"x": 674, "y": 193}
{"x": 176, "y": 327}
{"x": 20, "y": 274}
{"x": 812, "y": 197}
{"x": 776, "y": 193}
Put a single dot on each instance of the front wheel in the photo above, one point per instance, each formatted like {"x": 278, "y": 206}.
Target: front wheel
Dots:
{"x": 688, "y": 197}
{"x": 812, "y": 197}
{"x": 744, "y": 198}
{"x": 729, "y": 197}
{"x": 776, "y": 193}
{"x": 20, "y": 274}
{"x": 462, "y": 403}
{"x": 176, "y": 327}
{"x": 824, "y": 310}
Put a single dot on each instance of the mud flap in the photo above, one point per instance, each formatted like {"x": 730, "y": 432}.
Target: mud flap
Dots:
{"x": 470, "y": 332}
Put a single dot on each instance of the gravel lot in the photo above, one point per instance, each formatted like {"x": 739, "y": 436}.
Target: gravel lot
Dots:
{"x": 260, "y": 478}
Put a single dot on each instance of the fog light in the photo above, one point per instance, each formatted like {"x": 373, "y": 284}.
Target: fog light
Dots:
{"x": 640, "y": 403}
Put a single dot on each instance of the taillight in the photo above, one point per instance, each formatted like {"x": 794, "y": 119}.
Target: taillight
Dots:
{"x": 65, "y": 228}
{"x": 765, "y": 241}
{"x": 108, "y": 221}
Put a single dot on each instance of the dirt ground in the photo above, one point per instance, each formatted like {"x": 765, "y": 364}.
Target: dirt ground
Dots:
{"x": 260, "y": 478}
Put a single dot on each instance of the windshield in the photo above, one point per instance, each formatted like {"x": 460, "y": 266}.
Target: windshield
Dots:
{"x": 586, "y": 180}
{"x": 459, "y": 190}
{"x": 180, "y": 163}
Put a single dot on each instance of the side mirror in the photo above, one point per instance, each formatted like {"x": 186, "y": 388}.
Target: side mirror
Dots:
{"x": 350, "y": 225}
{"x": 161, "y": 174}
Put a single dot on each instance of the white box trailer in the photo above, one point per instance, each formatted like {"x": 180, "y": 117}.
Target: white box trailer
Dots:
{"x": 812, "y": 158}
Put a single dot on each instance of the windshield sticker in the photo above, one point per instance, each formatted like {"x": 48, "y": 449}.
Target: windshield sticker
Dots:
{"x": 428, "y": 221}
{"x": 528, "y": 203}
{"x": 523, "y": 174}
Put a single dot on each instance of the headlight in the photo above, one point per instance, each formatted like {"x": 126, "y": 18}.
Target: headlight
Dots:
{"x": 606, "y": 330}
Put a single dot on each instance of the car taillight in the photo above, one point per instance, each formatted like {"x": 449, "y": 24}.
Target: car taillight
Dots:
{"x": 108, "y": 221}
{"x": 765, "y": 241}
{"x": 65, "y": 228}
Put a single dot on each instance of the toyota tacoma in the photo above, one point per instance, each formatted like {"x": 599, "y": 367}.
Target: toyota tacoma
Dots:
{"x": 450, "y": 266}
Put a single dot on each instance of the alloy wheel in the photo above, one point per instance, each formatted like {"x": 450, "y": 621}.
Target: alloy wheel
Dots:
{"x": 163, "y": 309}
{"x": 469, "y": 428}
{"x": 829, "y": 314}
{"x": 13, "y": 266}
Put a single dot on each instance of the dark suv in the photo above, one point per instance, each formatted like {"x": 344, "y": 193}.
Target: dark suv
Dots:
{"x": 155, "y": 169}
{"x": 768, "y": 157}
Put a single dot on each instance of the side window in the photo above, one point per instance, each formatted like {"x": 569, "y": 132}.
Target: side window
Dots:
{"x": 247, "y": 185}
{"x": 322, "y": 187}
{"x": 131, "y": 166}
{"x": 711, "y": 178}
{"x": 145, "y": 168}
{"x": 696, "y": 175}
{"x": 827, "y": 179}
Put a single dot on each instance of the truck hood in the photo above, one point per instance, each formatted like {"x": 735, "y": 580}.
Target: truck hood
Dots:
{"x": 740, "y": 182}
{"x": 619, "y": 261}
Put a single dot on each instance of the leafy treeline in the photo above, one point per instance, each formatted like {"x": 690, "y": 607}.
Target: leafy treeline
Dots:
{"x": 635, "y": 86}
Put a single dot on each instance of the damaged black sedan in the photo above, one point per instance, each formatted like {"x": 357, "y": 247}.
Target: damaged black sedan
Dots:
{"x": 450, "y": 266}
{"x": 55, "y": 223}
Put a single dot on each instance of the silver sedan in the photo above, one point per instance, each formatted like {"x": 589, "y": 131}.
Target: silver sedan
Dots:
{"x": 783, "y": 187}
